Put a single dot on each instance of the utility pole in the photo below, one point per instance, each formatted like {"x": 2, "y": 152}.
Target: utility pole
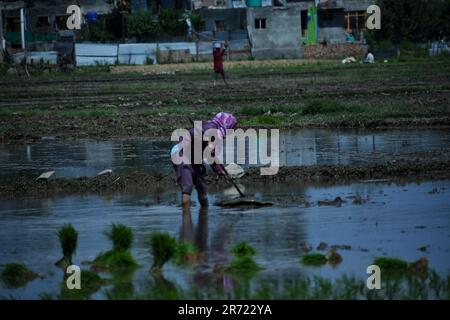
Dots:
{"x": 2, "y": 41}
{"x": 22, "y": 27}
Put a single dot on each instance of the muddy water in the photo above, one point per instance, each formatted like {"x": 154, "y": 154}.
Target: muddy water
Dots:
{"x": 394, "y": 220}
{"x": 75, "y": 158}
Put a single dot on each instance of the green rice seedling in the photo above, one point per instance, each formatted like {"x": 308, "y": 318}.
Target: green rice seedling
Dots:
{"x": 16, "y": 275}
{"x": 313, "y": 259}
{"x": 91, "y": 282}
{"x": 121, "y": 236}
{"x": 164, "y": 248}
{"x": 68, "y": 238}
{"x": 243, "y": 249}
{"x": 243, "y": 264}
{"x": 187, "y": 253}
{"x": 391, "y": 267}
{"x": 114, "y": 260}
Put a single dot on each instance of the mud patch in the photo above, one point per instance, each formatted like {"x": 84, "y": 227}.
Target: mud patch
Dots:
{"x": 156, "y": 182}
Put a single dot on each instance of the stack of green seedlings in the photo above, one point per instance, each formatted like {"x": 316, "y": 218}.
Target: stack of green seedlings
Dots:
{"x": 119, "y": 257}
{"x": 317, "y": 259}
{"x": 396, "y": 268}
{"x": 16, "y": 275}
{"x": 187, "y": 253}
{"x": 68, "y": 238}
{"x": 243, "y": 259}
{"x": 164, "y": 247}
{"x": 90, "y": 283}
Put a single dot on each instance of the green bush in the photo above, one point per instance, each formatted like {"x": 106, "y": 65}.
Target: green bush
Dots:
{"x": 142, "y": 26}
{"x": 172, "y": 22}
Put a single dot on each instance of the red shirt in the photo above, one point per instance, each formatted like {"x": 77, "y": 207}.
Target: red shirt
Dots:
{"x": 218, "y": 59}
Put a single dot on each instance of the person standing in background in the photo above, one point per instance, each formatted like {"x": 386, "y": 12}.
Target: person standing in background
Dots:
{"x": 218, "y": 53}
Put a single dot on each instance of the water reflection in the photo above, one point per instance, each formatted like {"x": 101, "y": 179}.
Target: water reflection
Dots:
{"x": 77, "y": 158}
{"x": 395, "y": 220}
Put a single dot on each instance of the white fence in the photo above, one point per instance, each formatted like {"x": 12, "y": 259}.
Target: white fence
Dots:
{"x": 88, "y": 54}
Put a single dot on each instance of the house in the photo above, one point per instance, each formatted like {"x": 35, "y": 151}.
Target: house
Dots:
{"x": 44, "y": 19}
{"x": 283, "y": 28}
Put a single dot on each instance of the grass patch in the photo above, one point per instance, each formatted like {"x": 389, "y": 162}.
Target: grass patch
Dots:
{"x": 16, "y": 275}
{"x": 313, "y": 259}
{"x": 314, "y": 107}
{"x": 164, "y": 248}
{"x": 265, "y": 120}
{"x": 121, "y": 237}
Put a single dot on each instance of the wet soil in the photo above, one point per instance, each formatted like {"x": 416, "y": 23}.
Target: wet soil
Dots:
{"x": 157, "y": 182}
{"x": 416, "y": 87}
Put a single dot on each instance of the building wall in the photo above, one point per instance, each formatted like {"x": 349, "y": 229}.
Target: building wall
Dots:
{"x": 331, "y": 26}
{"x": 355, "y": 5}
{"x": 235, "y": 19}
{"x": 335, "y": 51}
{"x": 282, "y": 35}
{"x": 53, "y": 9}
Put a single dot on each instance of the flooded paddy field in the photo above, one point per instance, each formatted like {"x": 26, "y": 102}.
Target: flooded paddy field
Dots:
{"x": 364, "y": 176}
{"x": 409, "y": 221}
{"x": 306, "y": 147}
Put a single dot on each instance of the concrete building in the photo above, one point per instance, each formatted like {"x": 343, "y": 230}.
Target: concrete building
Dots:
{"x": 279, "y": 28}
{"x": 275, "y": 32}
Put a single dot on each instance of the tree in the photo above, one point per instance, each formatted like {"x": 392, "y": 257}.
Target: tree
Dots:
{"x": 415, "y": 21}
{"x": 142, "y": 26}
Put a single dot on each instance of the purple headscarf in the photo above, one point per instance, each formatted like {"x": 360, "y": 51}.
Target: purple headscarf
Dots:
{"x": 224, "y": 121}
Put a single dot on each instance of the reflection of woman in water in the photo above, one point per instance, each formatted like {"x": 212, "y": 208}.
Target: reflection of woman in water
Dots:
{"x": 200, "y": 240}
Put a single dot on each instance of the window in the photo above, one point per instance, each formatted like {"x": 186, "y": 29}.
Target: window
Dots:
{"x": 61, "y": 22}
{"x": 12, "y": 24}
{"x": 42, "y": 22}
{"x": 355, "y": 22}
{"x": 220, "y": 25}
{"x": 260, "y": 23}
{"x": 304, "y": 19}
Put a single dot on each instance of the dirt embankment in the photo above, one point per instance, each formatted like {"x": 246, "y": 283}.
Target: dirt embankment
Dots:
{"x": 157, "y": 183}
